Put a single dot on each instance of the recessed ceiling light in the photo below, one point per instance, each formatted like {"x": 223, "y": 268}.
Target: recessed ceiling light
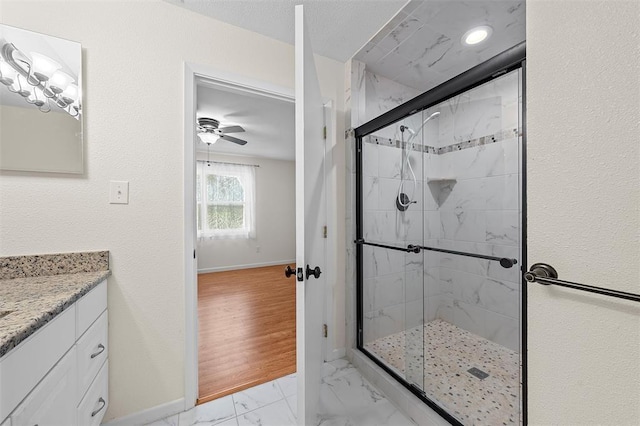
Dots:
{"x": 476, "y": 35}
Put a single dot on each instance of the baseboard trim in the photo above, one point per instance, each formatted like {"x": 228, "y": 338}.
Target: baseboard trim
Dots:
{"x": 149, "y": 415}
{"x": 337, "y": 354}
{"x": 247, "y": 266}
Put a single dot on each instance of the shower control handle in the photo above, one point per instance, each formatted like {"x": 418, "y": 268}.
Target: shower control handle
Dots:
{"x": 289, "y": 271}
{"x": 315, "y": 272}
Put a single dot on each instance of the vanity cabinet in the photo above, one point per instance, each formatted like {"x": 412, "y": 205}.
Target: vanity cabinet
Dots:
{"x": 59, "y": 375}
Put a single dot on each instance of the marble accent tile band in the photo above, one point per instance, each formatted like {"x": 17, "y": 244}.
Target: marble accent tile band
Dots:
{"x": 471, "y": 143}
{"x": 53, "y": 264}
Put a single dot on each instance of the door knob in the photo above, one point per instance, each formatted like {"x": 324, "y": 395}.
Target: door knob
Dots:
{"x": 315, "y": 272}
{"x": 288, "y": 272}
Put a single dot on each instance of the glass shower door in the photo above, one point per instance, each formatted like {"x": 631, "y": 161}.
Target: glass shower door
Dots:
{"x": 393, "y": 275}
{"x": 472, "y": 331}
{"x": 445, "y": 317}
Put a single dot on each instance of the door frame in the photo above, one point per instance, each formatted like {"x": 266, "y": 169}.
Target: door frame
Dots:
{"x": 195, "y": 74}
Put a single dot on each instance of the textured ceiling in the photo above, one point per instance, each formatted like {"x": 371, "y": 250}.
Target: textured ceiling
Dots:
{"x": 268, "y": 123}
{"x": 338, "y": 28}
{"x": 421, "y": 46}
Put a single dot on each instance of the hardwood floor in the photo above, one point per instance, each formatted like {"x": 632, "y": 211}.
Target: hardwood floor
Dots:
{"x": 246, "y": 330}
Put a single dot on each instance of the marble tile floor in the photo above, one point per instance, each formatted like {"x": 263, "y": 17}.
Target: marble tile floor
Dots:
{"x": 448, "y": 352}
{"x": 346, "y": 399}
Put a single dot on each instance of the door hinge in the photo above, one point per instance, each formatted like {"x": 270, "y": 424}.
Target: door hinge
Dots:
{"x": 324, "y": 132}
{"x": 194, "y": 253}
{"x": 324, "y": 231}
{"x": 325, "y": 330}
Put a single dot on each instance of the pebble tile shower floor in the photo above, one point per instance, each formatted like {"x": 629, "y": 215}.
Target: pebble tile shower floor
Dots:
{"x": 448, "y": 353}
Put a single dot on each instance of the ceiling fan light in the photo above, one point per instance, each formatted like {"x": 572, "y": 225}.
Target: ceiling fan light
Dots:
{"x": 208, "y": 138}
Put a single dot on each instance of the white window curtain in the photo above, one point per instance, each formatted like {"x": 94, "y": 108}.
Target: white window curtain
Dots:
{"x": 226, "y": 201}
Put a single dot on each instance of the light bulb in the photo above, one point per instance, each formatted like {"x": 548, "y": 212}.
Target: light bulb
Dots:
{"x": 70, "y": 94}
{"x": 59, "y": 81}
{"x": 20, "y": 86}
{"x": 476, "y": 35}
{"x": 36, "y": 97}
{"x": 210, "y": 138}
{"x": 7, "y": 74}
{"x": 42, "y": 67}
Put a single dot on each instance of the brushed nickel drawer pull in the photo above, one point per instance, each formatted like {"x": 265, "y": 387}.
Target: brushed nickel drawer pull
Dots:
{"x": 100, "y": 350}
{"x": 104, "y": 403}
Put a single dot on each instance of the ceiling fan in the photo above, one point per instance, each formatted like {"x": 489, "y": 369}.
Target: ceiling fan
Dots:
{"x": 209, "y": 131}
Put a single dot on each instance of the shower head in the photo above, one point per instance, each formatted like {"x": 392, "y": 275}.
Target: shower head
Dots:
{"x": 435, "y": 114}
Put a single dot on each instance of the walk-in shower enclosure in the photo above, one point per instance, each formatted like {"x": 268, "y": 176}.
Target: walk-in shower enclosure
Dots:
{"x": 439, "y": 243}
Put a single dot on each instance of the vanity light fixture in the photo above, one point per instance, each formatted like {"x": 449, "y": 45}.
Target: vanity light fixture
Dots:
{"x": 477, "y": 35}
{"x": 39, "y": 80}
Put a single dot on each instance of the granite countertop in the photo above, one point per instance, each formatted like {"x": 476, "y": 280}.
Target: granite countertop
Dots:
{"x": 32, "y": 301}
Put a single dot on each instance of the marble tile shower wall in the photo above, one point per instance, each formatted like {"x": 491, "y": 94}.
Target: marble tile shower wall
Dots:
{"x": 393, "y": 280}
{"x": 480, "y": 213}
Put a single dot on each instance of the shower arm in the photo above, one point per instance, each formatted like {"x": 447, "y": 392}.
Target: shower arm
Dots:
{"x": 505, "y": 262}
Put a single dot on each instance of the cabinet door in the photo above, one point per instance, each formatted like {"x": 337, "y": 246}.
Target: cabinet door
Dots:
{"x": 94, "y": 404}
{"x": 92, "y": 353}
{"x": 53, "y": 401}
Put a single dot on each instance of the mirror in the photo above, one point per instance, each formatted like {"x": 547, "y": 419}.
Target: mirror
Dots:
{"x": 40, "y": 102}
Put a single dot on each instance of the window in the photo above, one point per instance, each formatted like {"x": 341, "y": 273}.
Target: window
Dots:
{"x": 225, "y": 199}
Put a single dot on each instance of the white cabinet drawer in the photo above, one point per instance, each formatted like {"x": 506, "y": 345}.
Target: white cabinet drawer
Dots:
{"x": 93, "y": 350}
{"x": 94, "y": 404}
{"x": 90, "y": 306}
{"x": 53, "y": 400}
{"x": 24, "y": 366}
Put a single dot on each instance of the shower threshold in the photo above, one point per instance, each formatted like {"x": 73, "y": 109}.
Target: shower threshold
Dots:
{"x": 449, "y": 353}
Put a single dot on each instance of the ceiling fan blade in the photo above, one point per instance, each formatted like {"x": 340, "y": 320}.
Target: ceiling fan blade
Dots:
{"x": 231, "y": 129}
{"x": 232, "y": 139}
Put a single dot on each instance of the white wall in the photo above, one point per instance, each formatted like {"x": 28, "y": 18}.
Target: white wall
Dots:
{"x": 134, "y": 55}
{"x": 583, "y": 100}
{"x": 275, "y": 219}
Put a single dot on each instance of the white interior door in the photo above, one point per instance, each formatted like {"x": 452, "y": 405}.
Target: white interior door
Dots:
{"x": 310, "y": 220}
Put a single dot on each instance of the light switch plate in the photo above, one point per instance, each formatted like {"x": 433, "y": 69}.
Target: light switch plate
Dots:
{"x": 119, "y": 192}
